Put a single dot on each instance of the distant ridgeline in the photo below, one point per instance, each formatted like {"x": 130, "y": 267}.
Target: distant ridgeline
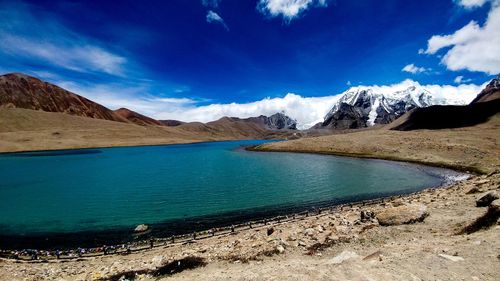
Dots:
{"x": 412, "y": 108}
{"x": 22, "y": 91}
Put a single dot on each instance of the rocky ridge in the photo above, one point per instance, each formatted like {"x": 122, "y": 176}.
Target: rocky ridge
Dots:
{"x": 362, "y": 107}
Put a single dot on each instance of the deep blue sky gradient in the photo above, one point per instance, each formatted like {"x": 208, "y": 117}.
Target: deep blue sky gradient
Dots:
{"x": 171, "y": 45}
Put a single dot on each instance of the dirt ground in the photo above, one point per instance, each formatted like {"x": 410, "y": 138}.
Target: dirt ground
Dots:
{"x": 470, "y": 148}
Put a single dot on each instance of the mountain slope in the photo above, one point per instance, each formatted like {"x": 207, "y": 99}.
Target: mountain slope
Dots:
{"x": 484, "y": 106}
{"x": 361, "y": 107}
{"x": 277, "y": 121}
{"x": 490, "y": 92}
{"x": 137, "y": 118}
{"x": 23, "y": 91}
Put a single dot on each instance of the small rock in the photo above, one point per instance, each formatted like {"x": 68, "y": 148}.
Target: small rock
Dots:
{"x": 280, "y": 249}
{"x": 309, "y": 232}
{"x": 367, "y": 215}
{"x": 404, "y": 214}
{"x": 141, "y": 228}
{"x": 344, "y": 256}
{"x": 486, "y": 198}
{"x": 397, "y": 203}
{"x": 158, "y": 261}
{"x": 270, "y": 231}
{"x": 373, "y": 256}
{"x": 473, "y": 190}
{"x": 482, "y": 181}
{"x": 451, "y": 258}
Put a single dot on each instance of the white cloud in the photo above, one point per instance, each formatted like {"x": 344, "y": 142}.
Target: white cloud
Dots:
{"x": 288, "y": 9}
{"x": 134, "y": 97}
{"x": 460, "y": 79}
{"x": 37, "y": 38}
{"x": 411, "y": 68}
{"x": 307, "y": 110}
{"x": 473, "y": 47}
{"x": 471, "y": 3}
{"x": 213, "y": 17}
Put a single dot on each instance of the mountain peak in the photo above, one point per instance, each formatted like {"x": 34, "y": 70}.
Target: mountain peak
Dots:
{"x": 490, "y": 92}
{"x": 279, "y": 121}
{"x": 363, "y": 107}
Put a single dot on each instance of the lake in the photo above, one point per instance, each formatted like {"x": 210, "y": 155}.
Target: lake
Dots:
{"x": 90, "y": 195}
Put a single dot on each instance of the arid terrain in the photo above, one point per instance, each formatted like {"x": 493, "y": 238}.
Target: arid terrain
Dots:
{"x": 473, "y": 148}
{"x": 337, "y": 244}
{"x": 28, "y": 130}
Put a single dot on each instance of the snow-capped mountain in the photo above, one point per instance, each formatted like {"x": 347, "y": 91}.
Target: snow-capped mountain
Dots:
{"x": 363, "y": 107}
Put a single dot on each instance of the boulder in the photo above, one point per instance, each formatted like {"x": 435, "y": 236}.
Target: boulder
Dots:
{"x": 404, "y": 214}
{"x": 486, "y": 198}
{"x": 495, "y": 206}
{"x": 141, "y": 228}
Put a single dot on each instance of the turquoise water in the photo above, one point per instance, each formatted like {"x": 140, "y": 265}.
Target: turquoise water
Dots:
{"x": 112, "y": 188}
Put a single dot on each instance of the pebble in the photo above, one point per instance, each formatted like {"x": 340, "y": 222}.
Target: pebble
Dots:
{"x": 451, "y": 258}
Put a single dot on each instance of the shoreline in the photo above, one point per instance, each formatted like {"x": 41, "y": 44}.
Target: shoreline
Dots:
{"x": 399, "y": 250}
{"x": 253, "y": 214}
{"x": 454, "y": 167}
{"x": 181, "y": 239}
{"x": 241, "y": 220}
{"x": 122, "y": 146}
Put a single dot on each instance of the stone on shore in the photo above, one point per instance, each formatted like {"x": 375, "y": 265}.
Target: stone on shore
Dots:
{"x": 451, "y": 258}
{"x": 141, "y": 228}
{"x": 473, "y": 190}
{"x": 344, "y": 256}
{"x": 486, "y": 198}
{"x": 404, "y": 214}
{"x": 495, "y": 206}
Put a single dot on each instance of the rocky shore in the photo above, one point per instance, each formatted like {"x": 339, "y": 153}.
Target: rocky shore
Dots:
{"x": 418, "y": 237}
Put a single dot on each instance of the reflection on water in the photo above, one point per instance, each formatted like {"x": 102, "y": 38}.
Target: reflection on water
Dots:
{"x": 53, "y": 153}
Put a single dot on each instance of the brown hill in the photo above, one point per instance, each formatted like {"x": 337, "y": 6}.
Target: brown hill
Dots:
{"x": 23, "y": 91}
{"x": 137, "y": 118}
{"x": 171, "y": 123}
{"x": 234, "y": 126}
{"x": 28, "y": 130}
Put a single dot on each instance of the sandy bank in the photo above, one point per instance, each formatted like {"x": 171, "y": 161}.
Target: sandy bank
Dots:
{"x": 474, "y": 149}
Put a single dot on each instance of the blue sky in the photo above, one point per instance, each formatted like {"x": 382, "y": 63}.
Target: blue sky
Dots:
{"x": 190, "y": 60}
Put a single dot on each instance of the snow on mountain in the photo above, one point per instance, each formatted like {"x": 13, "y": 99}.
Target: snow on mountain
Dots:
{"x": 362, "y": 106}
{"x": 280, "y": 121}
